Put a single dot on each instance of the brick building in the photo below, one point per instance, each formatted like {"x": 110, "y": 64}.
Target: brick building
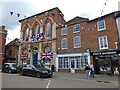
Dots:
{"x": 38, "y": 37}
{"x": 82, "y": 41}
{"x": 11, "y": 51}
{"x": 3, "y": 34}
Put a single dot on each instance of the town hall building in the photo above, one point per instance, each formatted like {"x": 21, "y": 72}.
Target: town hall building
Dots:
{"x": 38, "y": 37}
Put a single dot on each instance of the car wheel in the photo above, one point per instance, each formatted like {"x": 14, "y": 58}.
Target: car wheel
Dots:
{"x": 38, "y": 75}
{"x": 51, "y": 76}
{"x": 9, "y": 71}
{"x": 21, "y": 73}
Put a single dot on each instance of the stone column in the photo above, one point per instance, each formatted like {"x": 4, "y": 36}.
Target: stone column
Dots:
{"x": 54, "y": 30}
{"x": 39, "y": 51}
{"x": 19, "y": 53}
{"x": 31, "y": 56}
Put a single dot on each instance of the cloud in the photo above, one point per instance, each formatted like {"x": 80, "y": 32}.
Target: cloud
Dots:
{"x": 119, "y": 5}
{"x": 11, "y": 21}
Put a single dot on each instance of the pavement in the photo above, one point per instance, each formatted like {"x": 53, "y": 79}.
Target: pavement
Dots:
{"x": 113, "y": 79}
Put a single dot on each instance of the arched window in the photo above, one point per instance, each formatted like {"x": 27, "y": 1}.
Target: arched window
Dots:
{"x": 25, "y": 51}
{"x": 47, "y": 49}
{"x": 26, "y": 34}
{"x": 30, "y": 32}
{"x": 36, "y": 29}
{"x": 47, "y": 30}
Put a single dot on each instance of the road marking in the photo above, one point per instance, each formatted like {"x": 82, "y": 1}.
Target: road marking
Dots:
{"x": 48, "y": 84}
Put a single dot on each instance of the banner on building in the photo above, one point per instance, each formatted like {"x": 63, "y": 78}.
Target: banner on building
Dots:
{"x": 24, "y": 56}
{"x": 47, "y": 55}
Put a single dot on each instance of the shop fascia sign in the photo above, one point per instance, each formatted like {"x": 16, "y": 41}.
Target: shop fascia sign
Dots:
{"x": 105, "y": 53}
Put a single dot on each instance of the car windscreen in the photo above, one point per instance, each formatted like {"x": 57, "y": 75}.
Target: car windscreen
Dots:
{"x": 40, "y": 66}
{"x": 13, "y": 65}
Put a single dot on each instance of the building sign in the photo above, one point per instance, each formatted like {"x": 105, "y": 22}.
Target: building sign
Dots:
{"x": 105, "y": 53}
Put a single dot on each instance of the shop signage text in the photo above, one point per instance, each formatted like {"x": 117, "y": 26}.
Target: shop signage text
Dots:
{"x": 105, "y": 53}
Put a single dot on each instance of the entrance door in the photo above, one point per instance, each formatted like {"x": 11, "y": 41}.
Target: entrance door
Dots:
{"x": 72, "y": 65}
{"x": 35, "y": 58}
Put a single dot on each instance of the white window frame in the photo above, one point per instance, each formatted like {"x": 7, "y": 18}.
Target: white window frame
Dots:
{"x": 64, "y": 31}
{"x": 74, "y": 42}
{"x": 26, "y": 34}
{"x": 62, "y": 43}
{"x": 36, "y": 28}
{"x": 75, "y": 27}
{"x": 47, "y": 30}
{"x": 99, "y": 39}
{"x": 99, "y": 26}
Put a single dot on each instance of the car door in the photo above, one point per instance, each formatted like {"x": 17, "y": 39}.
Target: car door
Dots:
{"x": 32, "y": 70}
{"x": 26, "y": 70}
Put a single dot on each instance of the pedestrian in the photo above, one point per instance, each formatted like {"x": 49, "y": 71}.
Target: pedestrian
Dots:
{"x": 87, "y": 69}
{"x": 92, "y": 70}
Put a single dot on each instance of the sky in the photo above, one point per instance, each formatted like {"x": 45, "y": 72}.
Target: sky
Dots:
{"x": 70, "y": 8}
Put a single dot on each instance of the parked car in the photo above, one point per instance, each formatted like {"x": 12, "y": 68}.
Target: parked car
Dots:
{"x": 36, "y": 70}
{"x": 9, "y": 68}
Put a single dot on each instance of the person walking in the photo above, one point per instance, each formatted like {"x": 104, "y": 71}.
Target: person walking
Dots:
{"x": 92, "y": 70}
{"x": 87, "y": 69}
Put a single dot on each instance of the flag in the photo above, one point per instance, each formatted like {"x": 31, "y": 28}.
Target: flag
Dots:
{"x": 24, "y": 56}
{"x": 18, "y": 14}
{"x": 105, "y": 4}
{"x": 11, "y": 13}
{"x": 47, "y": 55}
{"x": 30, "y": 18}
{"x": 40, "y": 36}
{"x": 24, "y": 16}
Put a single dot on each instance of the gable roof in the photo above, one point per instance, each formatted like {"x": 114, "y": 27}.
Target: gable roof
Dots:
{"x": 14, "y": 42}
{"x": 114, "y": 14}
{"x": 76, "y": 20}
{"x": 56, "y": 8}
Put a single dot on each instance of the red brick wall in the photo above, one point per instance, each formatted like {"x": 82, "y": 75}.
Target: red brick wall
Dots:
{"x": 89, "y": 35}
{"x": 54, "y": 14}
{"x": 14, "y": 49}
{"x": 3, "y": 34}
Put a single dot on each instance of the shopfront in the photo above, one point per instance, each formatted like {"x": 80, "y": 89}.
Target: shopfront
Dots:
{"x": 72, "y": 63}
{"x": 106, "y": 61}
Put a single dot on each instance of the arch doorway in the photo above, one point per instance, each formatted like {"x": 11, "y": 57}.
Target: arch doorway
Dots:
{"x": 35, "y": 56}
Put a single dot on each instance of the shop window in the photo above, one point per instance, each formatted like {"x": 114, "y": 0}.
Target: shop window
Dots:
{"x": 10, "y": 53}
{"x": 63, "y": 62}
{"x": 115, "y": 61}
{"x": 81, "y": 62}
